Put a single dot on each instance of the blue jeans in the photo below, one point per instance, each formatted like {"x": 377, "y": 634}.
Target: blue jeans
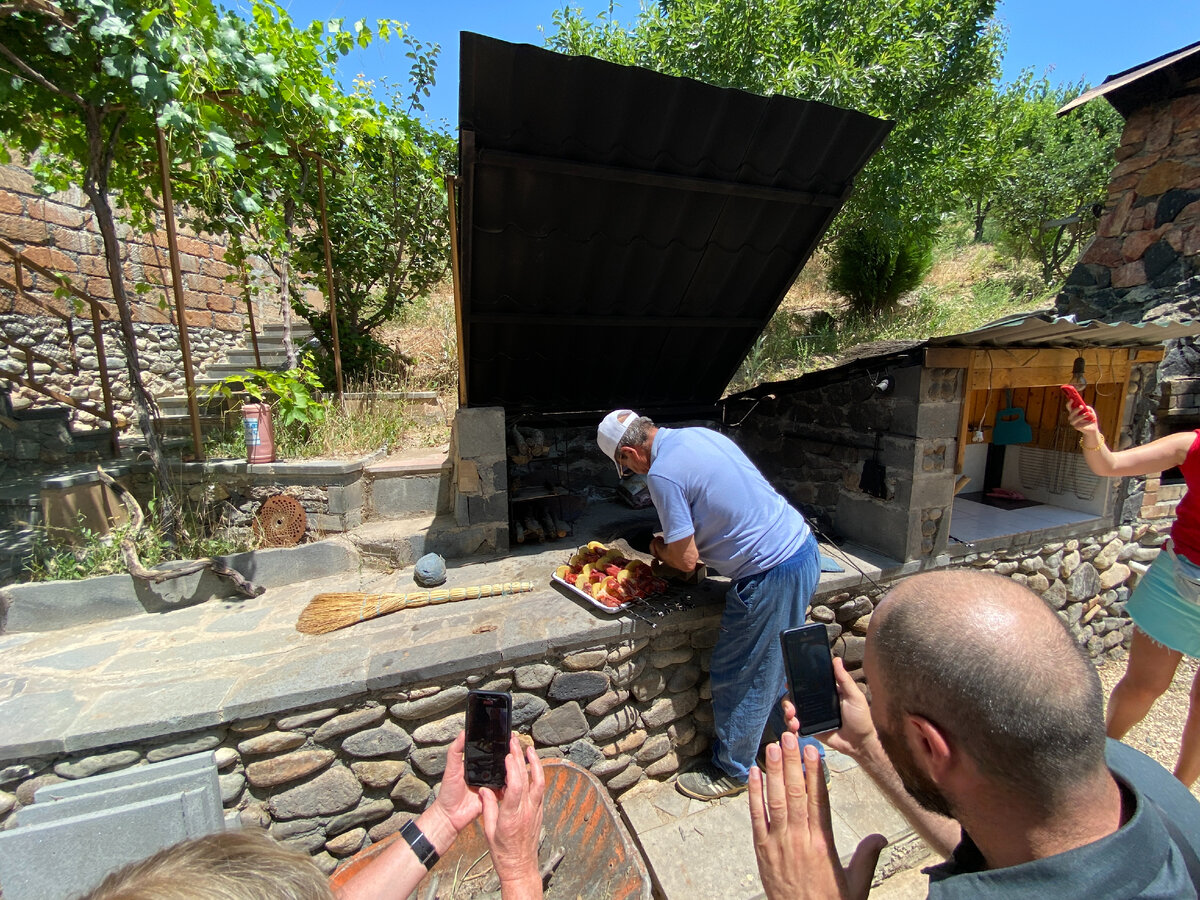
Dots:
{"x": 747, "y": 670}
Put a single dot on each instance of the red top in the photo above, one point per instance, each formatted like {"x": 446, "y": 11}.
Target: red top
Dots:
{"x": 1185, "y": 534}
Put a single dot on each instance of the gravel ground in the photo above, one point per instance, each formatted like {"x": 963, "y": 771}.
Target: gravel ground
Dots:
{"x": 1158, "y": 734}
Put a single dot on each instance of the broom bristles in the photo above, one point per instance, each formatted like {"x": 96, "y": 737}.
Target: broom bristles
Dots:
{"x": 329, "y": 612}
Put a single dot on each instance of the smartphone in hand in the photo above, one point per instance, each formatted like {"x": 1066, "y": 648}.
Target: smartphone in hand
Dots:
{"x": 1075, "y": 400}
{"x": 489, "y": 726}
{"x": 809, "y": 665}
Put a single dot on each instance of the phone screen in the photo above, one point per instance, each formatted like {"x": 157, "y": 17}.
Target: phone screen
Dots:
{"x": 488, "y": 729}
{"x": 810, "y": 678}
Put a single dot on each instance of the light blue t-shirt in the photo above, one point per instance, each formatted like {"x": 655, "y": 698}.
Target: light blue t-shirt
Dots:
{"x": 703, "y": 484}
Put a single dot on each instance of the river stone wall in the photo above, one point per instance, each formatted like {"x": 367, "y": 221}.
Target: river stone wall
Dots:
{"x": 158, "y": 349}
{"x": 333, "y": 779}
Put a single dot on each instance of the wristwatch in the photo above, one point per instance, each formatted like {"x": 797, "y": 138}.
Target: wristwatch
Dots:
{"x": 415, "y": 838}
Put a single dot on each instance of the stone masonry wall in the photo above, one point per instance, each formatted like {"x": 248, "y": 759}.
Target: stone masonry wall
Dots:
{"x": 1144, "y": 262}
{"x": 813, "y": 443}
{"x": 158, "y": 348}
{"x": 334, "y": 778}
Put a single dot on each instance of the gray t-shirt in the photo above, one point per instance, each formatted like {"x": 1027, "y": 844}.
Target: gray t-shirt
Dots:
{"x": 1147, "y": 857}
{"x": 702, "y": 483}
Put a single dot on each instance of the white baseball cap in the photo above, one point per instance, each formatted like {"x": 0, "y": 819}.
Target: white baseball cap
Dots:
{"x": 611, "y": 430}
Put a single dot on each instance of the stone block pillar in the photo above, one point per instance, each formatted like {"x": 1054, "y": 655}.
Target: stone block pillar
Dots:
{"x": 479, "y": 488}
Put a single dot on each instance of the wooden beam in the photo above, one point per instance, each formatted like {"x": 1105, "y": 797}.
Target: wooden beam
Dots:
{"x": 1040, "y": 376}
{"x": 549, "y": 166}
{"x": 612, "y": 321}
{"x": 456, "y": 280}
{"x": 56, "y": 277}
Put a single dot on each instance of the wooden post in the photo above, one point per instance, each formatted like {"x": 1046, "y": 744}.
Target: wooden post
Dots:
{"x": 164, "y": 165}
{"x": 114, "y": 439}
{"x": 333, "y": 325}
{"x": 452, "y": 208}
{"x": 250, "y": 313}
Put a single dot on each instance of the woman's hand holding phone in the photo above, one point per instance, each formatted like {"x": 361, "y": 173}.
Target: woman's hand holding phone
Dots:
{"x": 512, "y": 820}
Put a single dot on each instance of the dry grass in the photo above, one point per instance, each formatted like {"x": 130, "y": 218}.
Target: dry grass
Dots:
{"x": 1158, "y": 734}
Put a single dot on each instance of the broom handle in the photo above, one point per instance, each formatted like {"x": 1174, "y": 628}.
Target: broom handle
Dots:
{"x": 417, "y": 599}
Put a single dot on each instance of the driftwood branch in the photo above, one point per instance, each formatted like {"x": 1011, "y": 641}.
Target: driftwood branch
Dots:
{"x": 157, "y": 576}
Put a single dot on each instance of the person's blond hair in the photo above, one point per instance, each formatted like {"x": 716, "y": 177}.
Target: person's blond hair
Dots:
{"x": 230, "y": 865}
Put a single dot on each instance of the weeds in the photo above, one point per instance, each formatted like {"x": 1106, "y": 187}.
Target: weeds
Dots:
{"x": 71, "y": 554}
{"x": 967, "y": 287}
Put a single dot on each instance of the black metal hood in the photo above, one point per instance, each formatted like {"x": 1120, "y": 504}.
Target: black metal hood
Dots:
{"x": 625, "y": 235}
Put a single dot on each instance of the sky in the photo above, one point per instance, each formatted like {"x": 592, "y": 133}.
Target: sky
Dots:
{"x": 1074, "y": 39}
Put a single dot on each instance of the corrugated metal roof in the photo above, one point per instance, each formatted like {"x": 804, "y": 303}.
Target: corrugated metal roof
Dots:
{"x": 627, "y": 235}
{"x": 1156, "y": 79}
{"x": 1046, "y": 330}
{"x": 1040, "y": 330}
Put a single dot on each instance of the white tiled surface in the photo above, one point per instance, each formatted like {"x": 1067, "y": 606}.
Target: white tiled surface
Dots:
{"x": 971, "y": 521}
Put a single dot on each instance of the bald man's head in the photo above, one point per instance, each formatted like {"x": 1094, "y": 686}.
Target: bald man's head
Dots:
{"x": 990, "y": 663}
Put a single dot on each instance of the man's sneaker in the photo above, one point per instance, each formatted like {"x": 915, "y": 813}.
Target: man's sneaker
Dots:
{"x": 707, "y": 782}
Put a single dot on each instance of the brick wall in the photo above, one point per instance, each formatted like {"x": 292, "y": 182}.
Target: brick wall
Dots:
{"x": 1144, "y": 262}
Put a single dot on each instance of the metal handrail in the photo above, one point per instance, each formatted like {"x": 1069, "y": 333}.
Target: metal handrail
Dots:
{"x": 98, "y": 310}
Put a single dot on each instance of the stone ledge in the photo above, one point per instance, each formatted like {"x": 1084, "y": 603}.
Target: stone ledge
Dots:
{"x": 53, "y": 605}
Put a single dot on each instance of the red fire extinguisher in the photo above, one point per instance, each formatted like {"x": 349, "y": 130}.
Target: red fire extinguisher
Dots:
{"x": 260, "y": 436}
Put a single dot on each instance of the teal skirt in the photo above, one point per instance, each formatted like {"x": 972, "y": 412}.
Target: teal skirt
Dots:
{"x": 1166, "y": 603}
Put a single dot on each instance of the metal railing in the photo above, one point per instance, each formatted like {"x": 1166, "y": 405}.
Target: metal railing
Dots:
{"x": 98, "y": 312}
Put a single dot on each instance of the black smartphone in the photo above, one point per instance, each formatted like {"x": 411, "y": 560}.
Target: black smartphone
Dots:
{"x": 810, "y": 678}
{"x": 489, "y": 725}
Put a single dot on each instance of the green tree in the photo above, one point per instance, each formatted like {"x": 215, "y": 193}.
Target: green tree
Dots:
{"x": 88, "y": 81}
{"x": 387, "y": 214}
{"x": 1045, "y": 203}
{"x": 85, "y": 85}
{"x": 912, "y": 61}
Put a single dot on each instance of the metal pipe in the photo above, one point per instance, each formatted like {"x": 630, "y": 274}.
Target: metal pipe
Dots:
{"x": 164, "y": 165}
{"x": 333, "y": 325}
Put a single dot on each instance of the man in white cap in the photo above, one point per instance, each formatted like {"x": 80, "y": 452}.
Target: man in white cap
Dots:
{"x": 716, "y": 508}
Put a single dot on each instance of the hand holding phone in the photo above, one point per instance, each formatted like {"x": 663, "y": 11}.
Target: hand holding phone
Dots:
{"x": 1076, "y": 402}
{"x": 811, "y": 682}
{"x": 489, "y": 727}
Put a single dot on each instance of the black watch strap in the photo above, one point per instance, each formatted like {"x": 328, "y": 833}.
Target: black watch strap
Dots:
{"x": 415, "y": 838}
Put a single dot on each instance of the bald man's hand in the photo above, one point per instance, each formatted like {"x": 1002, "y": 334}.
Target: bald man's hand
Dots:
{"x": 793, "y": 831}
{"x": 857, "y": 733}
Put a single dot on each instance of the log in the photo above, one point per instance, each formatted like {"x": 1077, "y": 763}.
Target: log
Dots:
{"x": 133, "y": 562}
{"x": 547, "y": 523}
{"x": 561, "y": 528}
{"x": 532, "y": 528}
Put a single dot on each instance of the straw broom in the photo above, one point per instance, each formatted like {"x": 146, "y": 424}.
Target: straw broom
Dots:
{"x": 329, "y": 612}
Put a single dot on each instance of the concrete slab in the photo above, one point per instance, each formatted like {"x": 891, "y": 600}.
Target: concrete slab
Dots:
{"x": 114, "y": 717}
{"x": 202, "y": 785}
{"x": 57, "y": 860}
{"x": 697, "y": 849}
{"x": 35, "y": 722}
{"x": 196, "y": 762}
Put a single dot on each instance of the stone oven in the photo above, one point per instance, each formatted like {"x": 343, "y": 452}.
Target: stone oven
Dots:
{"x": 903, "y": 450}
{"x": 625, "y": 237}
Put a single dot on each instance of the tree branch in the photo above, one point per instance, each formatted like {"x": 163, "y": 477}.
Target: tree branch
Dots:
{"x": 38, "y": 78}
{"x": 133, "y": 563}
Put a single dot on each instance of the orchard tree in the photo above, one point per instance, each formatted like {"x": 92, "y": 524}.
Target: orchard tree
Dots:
{"x": 85, "y": 85}
{"x": 87, "y": 82}
{"x": 917, "y": 62}
{"x": 1047, "y": 204}
{"x": 387, "y": 214}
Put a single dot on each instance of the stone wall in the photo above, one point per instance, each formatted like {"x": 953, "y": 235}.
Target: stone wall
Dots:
{"x": 813, "y": 442}
{"x": 336, "y": 777}
{"x": 158, "y": 349}
{"x": 1144, "y": 262}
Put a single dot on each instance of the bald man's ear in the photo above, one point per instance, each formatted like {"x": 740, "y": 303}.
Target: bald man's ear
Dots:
{"x": 930, "y": 746}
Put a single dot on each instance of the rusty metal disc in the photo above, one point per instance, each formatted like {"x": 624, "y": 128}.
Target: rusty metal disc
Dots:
{"x": 280, "y": 521}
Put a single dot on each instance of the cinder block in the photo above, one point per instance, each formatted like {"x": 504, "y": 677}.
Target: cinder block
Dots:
{"x": 480, "y": 432}
{"x": 345, "y": 497}
{"x": 63, "y": 859}
{"x": 62, "y": 790}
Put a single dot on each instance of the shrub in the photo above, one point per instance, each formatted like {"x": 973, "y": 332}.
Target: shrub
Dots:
{"x": 872, "y": 267}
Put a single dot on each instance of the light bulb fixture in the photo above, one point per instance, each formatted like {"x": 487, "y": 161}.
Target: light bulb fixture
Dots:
{"x": 1077, "y": 377}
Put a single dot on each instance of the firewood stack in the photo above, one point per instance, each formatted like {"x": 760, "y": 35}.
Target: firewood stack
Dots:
{"x": 541, "y": 504}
